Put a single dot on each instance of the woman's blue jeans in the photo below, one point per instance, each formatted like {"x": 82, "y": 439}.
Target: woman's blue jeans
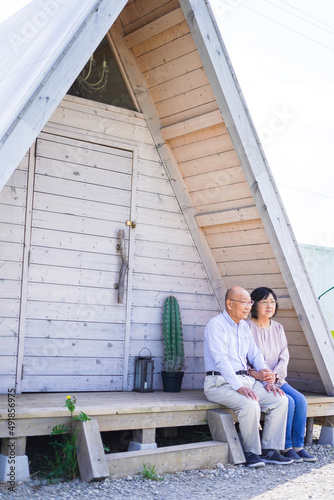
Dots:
{"x": 297, "y": 413}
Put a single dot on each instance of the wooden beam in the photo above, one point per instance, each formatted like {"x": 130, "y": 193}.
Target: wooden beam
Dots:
{"x": 222, "y": 428}
{"x": 170, "y": 164}
{"x": 192, "y": 125}
{"x": 154, "y": 28}
{"x": 122, "y": 71}
{"x": 227, "y": 216}
{"x": 264, "y": 191}
{"x": 90, "y": 452}
{"x": 168, "y": 459}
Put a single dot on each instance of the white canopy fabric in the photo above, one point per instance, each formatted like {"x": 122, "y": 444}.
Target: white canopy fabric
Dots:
{"x": 44, "y": 47}
{"x": 31, "y": 40}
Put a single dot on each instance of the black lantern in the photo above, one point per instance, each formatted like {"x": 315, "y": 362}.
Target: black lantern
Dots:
{"x": 144, "y": 367}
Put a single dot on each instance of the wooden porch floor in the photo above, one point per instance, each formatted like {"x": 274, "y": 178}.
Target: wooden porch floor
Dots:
{"x": 36, "y": 414}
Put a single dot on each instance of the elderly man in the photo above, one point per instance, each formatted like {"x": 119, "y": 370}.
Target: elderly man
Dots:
{"x": 228, "y": 349}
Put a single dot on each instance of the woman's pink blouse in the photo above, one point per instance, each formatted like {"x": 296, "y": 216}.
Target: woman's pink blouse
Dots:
{"x": 274, "y": 347}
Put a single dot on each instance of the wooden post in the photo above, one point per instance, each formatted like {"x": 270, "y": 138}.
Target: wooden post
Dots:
{"x": 14, "y": 464}
{"x": 222, "y": 429}
{"x": 309, "y": 430}
{"x": 144, "y": 436}
{"x": 143, "y": 439}
{"x": 18, "y": 444}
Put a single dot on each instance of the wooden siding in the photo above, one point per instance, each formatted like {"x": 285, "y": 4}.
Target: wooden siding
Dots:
{"x": 75, "y": 336}
{"x": 97, "y": 166}
{"x": 12, "y": 223}
{"x": 200, "y": 143}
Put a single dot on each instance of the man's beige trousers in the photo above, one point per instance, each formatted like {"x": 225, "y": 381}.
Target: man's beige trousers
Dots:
{"x": 275, "y": 408}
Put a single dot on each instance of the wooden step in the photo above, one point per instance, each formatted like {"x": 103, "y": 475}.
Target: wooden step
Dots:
{"x": 168, "y": 459}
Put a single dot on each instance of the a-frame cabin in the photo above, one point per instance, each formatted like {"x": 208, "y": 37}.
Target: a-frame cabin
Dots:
{"x": 178, "y": 156}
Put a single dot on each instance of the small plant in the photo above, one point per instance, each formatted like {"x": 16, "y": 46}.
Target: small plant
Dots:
{"x": 173, "y": 336}
{"x": 148, "y": 472}
{"x": 70, "y": 404}
{"x": 82, "y": 417}
{"x": 65, "y": 464}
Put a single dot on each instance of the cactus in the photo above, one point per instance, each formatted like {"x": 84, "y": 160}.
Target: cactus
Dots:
{"x": 173, "y": 336}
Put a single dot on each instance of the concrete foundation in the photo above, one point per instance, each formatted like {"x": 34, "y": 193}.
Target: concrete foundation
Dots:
{"x": 327, "y": 435}
{"x": 134, "y": 446}
{"x": 14, "y": 468}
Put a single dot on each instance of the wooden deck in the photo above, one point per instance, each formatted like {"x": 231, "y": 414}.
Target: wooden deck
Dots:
{"x": 142, "y": 413}
{"x": 36, "y": 414}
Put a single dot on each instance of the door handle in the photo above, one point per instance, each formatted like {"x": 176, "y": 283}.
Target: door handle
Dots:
{"x": 122, "y": 248}
{"x": 130, "y": 223}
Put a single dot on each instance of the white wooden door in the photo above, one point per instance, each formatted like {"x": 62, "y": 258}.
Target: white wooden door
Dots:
{"x": 75, "y": 327}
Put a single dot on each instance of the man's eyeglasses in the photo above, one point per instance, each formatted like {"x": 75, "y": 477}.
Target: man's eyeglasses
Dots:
{"x": 267, "y": 302}
{"x": 244, "y": 302}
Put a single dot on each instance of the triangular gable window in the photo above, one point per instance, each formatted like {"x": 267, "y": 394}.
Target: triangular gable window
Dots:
{"x": 101, "y": 80}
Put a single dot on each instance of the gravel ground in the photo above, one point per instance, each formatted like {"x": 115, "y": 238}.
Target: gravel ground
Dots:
{"x": 305, "y": 480}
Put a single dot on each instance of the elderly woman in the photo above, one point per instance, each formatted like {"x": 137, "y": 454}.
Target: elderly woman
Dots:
{"x": 270, "y": 338}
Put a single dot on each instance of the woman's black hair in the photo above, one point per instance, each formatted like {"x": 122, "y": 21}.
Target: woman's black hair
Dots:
{"x": 261, "y": 293}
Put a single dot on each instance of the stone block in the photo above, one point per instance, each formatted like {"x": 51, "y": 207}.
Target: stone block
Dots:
{"x": 326, "y": 435}
{"x": 13, "y": 469}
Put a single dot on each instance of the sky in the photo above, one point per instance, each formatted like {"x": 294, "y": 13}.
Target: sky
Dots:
{"x": 283, "y": 56}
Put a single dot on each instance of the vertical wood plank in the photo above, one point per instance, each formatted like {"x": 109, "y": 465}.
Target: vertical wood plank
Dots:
{"x": 131, "y": 240}
{"x": 25, "y": 269}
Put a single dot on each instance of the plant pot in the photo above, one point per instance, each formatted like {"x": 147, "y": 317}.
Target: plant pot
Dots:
{"x": 172, "y": 381}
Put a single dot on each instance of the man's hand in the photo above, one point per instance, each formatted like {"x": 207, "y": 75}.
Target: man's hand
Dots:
{"x": 266, "y": 376}
{"x": 249, "y": 393}
{"x": 273, "y": 388}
